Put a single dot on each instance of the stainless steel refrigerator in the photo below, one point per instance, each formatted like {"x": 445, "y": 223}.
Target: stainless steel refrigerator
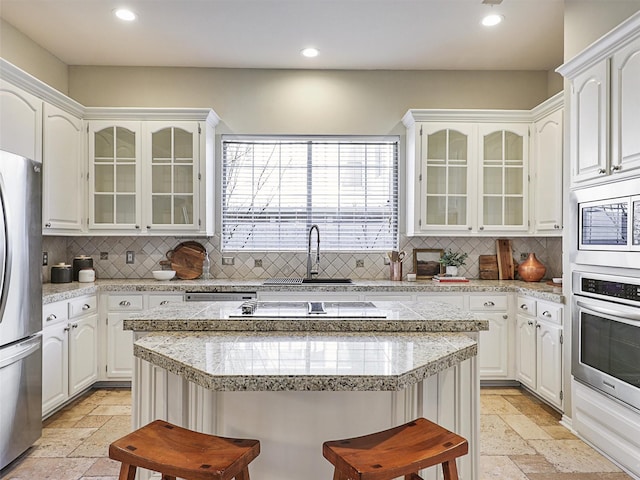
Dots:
{"x": 20, "y": 305}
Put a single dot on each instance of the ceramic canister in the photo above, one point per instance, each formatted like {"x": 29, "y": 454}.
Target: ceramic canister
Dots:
{"x": 61, "y": 273}
{"x": 80, "y": 263}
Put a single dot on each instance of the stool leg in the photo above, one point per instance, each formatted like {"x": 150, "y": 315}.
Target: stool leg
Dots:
{"x": 338, "y": 475}
{"x": 127, "y": 472}
{"x": 450, "y": 470}
{"x": 243, "y": 475}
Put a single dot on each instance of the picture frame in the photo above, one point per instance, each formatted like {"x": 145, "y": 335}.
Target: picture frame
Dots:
{"x": 426, "y": 262}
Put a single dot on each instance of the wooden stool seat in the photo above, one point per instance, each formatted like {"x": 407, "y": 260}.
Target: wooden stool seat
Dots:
{"x": 178, "y": 452}
{"x": 399, "y": 451}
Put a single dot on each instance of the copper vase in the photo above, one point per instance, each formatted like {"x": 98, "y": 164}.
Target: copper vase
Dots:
{"x": 531, "y": 270}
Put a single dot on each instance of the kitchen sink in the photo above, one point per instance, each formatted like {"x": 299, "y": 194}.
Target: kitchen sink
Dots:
{"x": 300, "y": 281}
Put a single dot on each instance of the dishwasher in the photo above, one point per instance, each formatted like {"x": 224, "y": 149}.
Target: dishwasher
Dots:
{"x": 219, "y": 296}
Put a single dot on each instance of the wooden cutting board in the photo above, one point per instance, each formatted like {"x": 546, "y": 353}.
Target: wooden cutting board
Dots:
{"x": 505, "y": 259}
{"x": 186, "y": 259}
{"x": 488, "y": 267}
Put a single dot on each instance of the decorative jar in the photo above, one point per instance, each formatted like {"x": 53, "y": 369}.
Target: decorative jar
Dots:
{"x": 531, "y": 270}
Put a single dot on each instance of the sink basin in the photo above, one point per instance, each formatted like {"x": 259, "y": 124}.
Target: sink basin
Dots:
{"x": 327, "y": 280}
{"x": 300, "y": 281}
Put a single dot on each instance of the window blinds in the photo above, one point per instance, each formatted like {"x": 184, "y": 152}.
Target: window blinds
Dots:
{"x": 275, "y": 188}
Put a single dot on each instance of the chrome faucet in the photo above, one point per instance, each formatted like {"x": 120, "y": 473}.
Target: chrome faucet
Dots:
{"x": 313, "y": 269}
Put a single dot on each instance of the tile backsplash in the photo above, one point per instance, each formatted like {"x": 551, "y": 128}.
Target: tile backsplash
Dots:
{"x": 109, "y": 256}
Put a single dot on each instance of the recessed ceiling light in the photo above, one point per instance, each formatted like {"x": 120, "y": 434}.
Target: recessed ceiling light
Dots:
{"x": 492, "y": 20}
{"x": 310, "y": 52}
{"x": 125, "y": 14}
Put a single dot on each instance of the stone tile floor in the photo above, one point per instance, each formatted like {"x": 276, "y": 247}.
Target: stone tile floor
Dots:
{"x": 521, "y": 439}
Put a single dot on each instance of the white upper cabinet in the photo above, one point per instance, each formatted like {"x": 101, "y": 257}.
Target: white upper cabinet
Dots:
{"x": 114, "y": 176}
{"x": 605, "y": 107}
{"x": 63, "y": 181}
{"x": 21, "y": 121}
{"x": 468, "y": 172}
{"x": 546, "y": 168}
{"x": 503, "y": 177}
{"x": 151, "y": 177}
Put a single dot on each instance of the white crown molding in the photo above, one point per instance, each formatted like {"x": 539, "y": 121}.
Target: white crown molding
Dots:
{"x": 476, "y": 116}
{"x": 548, "y": 106}
{"x": 603, "y": 47}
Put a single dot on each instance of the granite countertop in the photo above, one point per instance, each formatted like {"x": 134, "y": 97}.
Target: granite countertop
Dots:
{"x": 304, "y": 361}
{"x": 422, "y": 316}
{"x": 62, "y": 291}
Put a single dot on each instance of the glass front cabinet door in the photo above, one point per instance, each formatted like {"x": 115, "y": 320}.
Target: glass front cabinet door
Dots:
{"x": 503, "y": 178}
{"x": 445, "y": 179}
{"x": 114, "y": 178}
{"x": 171, "y": 176}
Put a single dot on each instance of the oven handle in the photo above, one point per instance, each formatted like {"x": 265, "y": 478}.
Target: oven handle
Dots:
{"x": 606, "y": 311}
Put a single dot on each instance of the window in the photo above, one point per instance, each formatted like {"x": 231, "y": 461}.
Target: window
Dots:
{"x": 275, "y": 188}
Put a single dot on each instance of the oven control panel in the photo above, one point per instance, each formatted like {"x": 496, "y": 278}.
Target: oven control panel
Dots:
{"x": 607, "y": 286}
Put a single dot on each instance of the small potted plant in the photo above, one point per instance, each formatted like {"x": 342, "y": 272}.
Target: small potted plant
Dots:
{"x": 452, "y": 260}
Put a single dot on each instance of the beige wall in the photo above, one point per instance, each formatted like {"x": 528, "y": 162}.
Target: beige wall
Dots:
{"x": 585, "y": 21}
{"x": 24, "y": 53}
{"x": 306, "y": 101}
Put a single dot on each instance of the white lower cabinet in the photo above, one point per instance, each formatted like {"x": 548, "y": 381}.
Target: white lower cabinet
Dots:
{"x": 495, "y": 345}
{"x": 69, "y": 350}
{"x": 539, "y": 348}
{"x": 118, "y": 347}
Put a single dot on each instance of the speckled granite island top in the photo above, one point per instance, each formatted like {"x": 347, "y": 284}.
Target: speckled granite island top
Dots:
{"x": 223, "y": 361}
{"x": 422, "y": 316}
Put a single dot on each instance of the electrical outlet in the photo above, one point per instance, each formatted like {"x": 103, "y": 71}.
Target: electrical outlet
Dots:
{"x": 131, "y": 256}
{"x": 104, "y": 255}
{"x": 387, "y": 260}
{"x": 257, "y": 263}
{"x": 45, "y": 259}
{"x": 228, "y": 260}
{"x": 359, "y": 263}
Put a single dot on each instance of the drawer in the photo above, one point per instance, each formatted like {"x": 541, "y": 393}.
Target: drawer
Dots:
{"x": 551, "y": 312}
{"x": 53, "y": 313}
{"x": 526, "y": 306}
{"x": 79, "y": 307}
{"x": 488, "y": 303}
{"x": 125, "y": 303}
{"x": 157, "y": 300}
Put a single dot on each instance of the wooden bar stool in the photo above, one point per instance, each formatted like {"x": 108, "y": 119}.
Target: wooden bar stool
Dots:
{"x": 399, "y": 451}
{"x": 178, "y": 452}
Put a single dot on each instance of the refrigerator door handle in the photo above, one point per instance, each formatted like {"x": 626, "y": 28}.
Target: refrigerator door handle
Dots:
{"x": 4, "y": 251}
{"x": 18, "y": 352}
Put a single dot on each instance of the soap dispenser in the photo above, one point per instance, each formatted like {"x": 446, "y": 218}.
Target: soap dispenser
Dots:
{"x": 206, "y": 267}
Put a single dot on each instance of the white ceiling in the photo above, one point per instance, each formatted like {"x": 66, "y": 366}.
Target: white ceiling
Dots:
{"x": 350, "y": 34}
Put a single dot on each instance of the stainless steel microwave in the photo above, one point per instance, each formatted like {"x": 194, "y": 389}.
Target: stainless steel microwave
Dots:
{"x": 608, "y": 224}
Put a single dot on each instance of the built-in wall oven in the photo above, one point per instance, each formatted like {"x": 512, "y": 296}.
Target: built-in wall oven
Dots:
{"x": 606, "y": 334}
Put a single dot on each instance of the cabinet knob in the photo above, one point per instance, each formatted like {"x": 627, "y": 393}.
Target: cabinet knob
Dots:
{"x": 51, "y": 317}
{"x": 86, "y": 306}
{"x": 67, "y": 328}
{"x": 469, "y": 228}
{"x": 75, "y": 325}
{"x": 505, "y": 316}
{"x": 616, "y": 168}
{"x": 524, "y": 307}
{"x": 489, "y": 304}
{"x": 48, "y": 224}
{"x": 164, "y": 302}
{"x": 557, "y": 227}
{"x": 137, "y": 227}
{"x": 125, "y": 303}
{"x": 529, "y": 322}
{"x": 538, "y": 325}
{"x": 148, "y": 227}
{"x": 481, "y": 228}
{"x": 602, "y": 171}
{"x": 546, "y": 314}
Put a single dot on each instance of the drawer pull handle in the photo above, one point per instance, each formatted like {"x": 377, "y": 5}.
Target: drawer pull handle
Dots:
{"x": 524, "y": 307}
{"x": 546, "y": 314}
{"x": 125, "y": 303}
{"x": 75, "y": 325}
{"x": 489, "y": 304}
{"x": 67, "y": 328}
{"x": 602, "y": 171}
{"x": 51, "y": 317}
{"x": 529, "y": 322}
{"x": 164, "y": 302}
{"x": 86, "y": 306}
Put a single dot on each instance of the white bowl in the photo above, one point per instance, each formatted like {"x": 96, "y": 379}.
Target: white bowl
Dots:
{"x": 557, "y": 280}
{"x": 163, "y": 274}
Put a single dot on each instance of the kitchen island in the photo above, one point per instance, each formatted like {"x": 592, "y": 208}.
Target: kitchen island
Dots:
{"x": 293, "y": 381}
